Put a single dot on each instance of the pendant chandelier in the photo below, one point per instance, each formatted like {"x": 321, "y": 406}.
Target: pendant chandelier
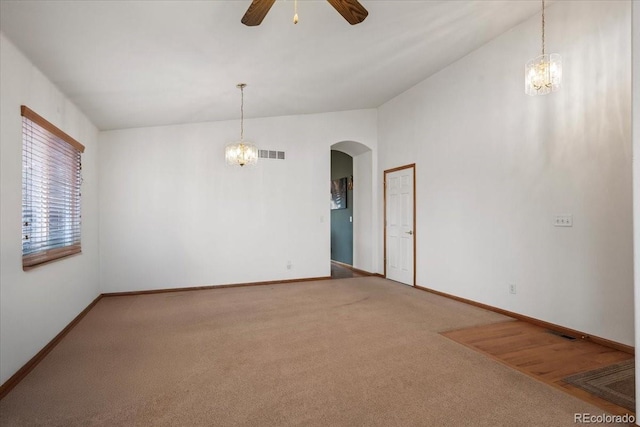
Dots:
{"x": 543, "y": 74}
{"x": 242, "y": 152}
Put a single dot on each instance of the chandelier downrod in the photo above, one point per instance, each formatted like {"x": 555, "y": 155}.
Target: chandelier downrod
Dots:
{"x": 241, "y": 86}
{"x": 543, "y": 27}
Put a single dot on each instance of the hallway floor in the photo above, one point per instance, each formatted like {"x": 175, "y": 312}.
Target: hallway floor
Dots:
{"x": 341, "y": 271}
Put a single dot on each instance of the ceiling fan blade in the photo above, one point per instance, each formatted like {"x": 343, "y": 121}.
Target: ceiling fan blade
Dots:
{"x": 351, "y": 10}
{"x": 256, "y": 12}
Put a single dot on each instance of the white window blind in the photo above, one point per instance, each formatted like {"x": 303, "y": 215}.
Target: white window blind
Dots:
{"x": 51, "y": 178}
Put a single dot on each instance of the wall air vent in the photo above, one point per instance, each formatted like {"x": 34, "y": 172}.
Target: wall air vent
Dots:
{"x": 271, "y": 154}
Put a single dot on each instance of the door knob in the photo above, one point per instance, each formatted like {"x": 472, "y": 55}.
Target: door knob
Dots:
{"x": 410, "y": 232}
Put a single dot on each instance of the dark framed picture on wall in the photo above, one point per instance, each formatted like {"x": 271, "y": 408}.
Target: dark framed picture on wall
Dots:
{"x": 339, "y": 193}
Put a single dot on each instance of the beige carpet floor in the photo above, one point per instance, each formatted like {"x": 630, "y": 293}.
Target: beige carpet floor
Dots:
{"x": 353, "y": 352}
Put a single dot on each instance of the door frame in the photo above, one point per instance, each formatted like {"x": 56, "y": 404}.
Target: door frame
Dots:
{"x": 384, "y": 221}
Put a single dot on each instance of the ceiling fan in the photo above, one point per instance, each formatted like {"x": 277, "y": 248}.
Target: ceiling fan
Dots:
{"x": 351, "y": 10}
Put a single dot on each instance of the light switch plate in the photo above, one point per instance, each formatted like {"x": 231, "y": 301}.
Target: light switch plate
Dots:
{"x": 565, "y": 220}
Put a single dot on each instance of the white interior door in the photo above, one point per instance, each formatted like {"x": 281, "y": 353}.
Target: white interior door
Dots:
{"x": 400, "y": 233}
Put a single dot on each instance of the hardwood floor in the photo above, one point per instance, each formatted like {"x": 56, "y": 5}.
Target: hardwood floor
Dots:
{"x": 342, "y": 271}
{"x": 542, "y": 354}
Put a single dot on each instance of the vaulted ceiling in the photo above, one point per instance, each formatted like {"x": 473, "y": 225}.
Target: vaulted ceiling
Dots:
{"x": 146, "y": 63}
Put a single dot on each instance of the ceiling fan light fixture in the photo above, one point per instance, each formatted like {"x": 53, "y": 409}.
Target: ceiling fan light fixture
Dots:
{"x": 351, "y": 10}
{"x": 242, "y": 152}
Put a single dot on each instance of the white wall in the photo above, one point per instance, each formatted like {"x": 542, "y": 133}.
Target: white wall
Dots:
{"x": 636, "y": 180}
{"x": 174, "y": 215}
{"x": 365, "y": 226}
{"x": 495, "y": 165}
{"x": 36, "y": 305}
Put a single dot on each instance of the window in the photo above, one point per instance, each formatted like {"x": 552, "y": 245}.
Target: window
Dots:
{"x": 51, "y": 178}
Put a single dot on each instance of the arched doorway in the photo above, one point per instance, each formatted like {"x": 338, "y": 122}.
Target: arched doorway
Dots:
{"x": 362, "y": 215}
{"x": 341, "y": 208}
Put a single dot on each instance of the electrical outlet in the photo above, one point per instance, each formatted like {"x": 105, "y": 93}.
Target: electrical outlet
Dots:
{"x": 565, "y": 220}
{"x": 289, "y": 265}
{"x": 512, "y": 288}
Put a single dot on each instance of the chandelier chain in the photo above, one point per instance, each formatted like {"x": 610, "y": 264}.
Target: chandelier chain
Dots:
{"x": 241, "y": 113}
{"x": 543, "y": 27}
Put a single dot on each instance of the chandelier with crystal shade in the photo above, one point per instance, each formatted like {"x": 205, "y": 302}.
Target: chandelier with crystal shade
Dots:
{"x": 543, "y": 74}
{"x": 242, "y": 152}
